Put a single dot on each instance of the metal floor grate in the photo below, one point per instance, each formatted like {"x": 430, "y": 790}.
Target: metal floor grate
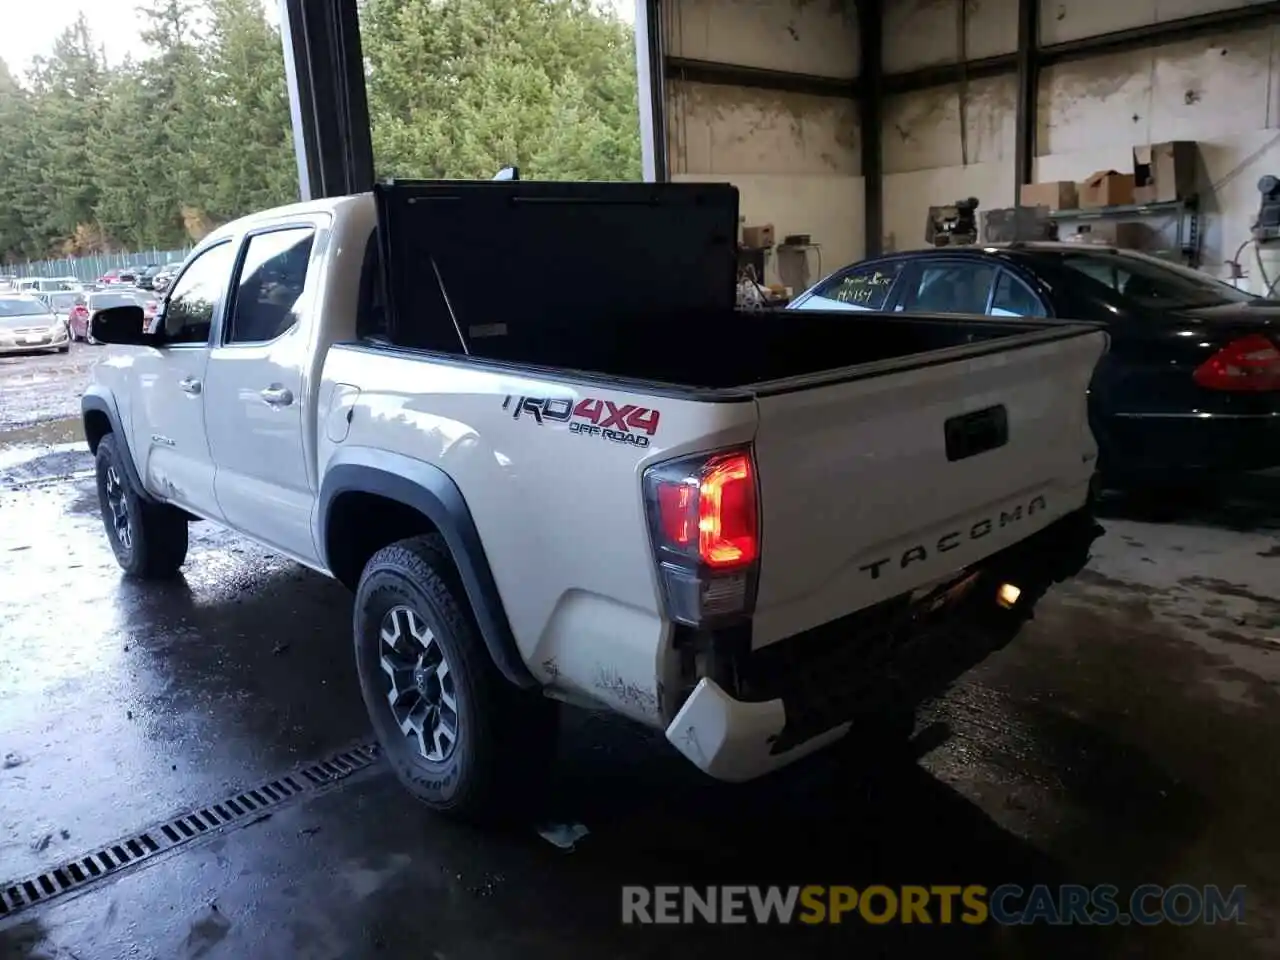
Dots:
{"x": 246, "y": 806}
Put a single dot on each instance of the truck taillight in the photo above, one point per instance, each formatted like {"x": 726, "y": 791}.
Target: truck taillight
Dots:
{"x": 705, "y": 525}
{"x": 1251, "y": 363}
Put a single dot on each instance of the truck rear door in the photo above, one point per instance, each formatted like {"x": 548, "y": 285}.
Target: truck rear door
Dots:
{"x": 880, "y": 483}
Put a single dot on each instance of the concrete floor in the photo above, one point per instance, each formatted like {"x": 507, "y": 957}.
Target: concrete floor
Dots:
{"x": 1131, "y": 734}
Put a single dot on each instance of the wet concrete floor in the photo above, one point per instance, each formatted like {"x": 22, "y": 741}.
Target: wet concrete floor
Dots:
{"x": 1131, "y": 734}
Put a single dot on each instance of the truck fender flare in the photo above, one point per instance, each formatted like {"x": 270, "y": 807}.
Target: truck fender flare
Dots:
{"x": 430, "y": 491}
{"x": 95, "y": 402}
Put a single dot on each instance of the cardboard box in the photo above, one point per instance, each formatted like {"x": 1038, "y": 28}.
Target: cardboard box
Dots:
{"x": 1144, "y": 195}
{"x": 1106, "y": 188}
{"x": 1169, "y": 167}
{"x": 1006, "y": 224}
{"x": 753, "y": 238}
{"x": 1057, "y": 195}
{"x": 1112, "y": 233}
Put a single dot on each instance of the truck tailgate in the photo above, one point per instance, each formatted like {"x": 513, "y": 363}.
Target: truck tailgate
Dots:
{"x": 904, "y": 472}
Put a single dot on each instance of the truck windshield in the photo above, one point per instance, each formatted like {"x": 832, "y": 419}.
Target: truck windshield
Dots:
{"x": 1151, "y": 283}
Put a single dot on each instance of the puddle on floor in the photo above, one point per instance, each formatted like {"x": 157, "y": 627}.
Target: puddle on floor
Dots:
{"x": 50, "y": 433}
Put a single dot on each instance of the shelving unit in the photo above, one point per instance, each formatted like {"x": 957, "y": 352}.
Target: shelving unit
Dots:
{"x": 1186, "y": 212}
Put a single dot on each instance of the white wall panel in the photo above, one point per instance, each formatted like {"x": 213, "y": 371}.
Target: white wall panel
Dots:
{"x": 798, "y": 36}
{"x": 830, "y": 209}
{"x": 723, "y": 129}
{"x": 926, "y": 129}
{"x": 794, "y": 158}
{"x": 922, "y": 33}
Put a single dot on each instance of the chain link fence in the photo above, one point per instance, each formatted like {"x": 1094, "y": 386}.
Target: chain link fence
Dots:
{"x": 92, "y": 267}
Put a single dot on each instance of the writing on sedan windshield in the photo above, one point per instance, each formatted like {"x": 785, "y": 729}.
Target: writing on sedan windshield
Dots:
{"x": 862, "y": 288}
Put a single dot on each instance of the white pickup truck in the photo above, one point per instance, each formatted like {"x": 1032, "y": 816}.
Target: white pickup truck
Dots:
{"x": 523, "y": 422}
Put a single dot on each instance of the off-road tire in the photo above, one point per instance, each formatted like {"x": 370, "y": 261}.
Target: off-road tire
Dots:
{"x": 156, "y": 544}
{"x": 505, "y": 735}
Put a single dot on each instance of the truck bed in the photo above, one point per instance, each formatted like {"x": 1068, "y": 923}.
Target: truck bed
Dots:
{"x": 744, "y": 349}
{"x": 638, "y": 284}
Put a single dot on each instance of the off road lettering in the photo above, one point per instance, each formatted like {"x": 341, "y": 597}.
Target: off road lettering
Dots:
{"x": 590, "y": 417}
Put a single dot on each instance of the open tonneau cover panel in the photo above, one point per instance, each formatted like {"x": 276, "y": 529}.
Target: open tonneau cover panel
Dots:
{"x": 484, "y": 261}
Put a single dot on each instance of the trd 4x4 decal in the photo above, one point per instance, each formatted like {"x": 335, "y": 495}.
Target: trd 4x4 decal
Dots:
{"x": 619, "y": 422}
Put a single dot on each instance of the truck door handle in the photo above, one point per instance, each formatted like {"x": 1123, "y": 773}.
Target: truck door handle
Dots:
{"x": 190, "y": 385}
{"x": 277, "y": 396}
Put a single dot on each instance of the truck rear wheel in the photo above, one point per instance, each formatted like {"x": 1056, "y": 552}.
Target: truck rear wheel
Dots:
{"x": 149, "y": 540}
{"x": 459, "y": 736}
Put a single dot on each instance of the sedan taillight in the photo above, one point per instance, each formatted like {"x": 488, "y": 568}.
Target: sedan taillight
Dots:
{"x": 1251, "y": 364}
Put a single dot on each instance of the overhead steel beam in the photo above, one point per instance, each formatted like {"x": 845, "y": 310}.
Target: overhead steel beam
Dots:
{"x": 1024, "y": 143}
{"x": 1119, "y": 41}
{"x": 736, "y": 75}
{"x": 1153, "y": 34}
{"x": 652, "y": 90}
{"x": 944, "y": 74}
{"x": 870, "y": 110}
{"x": 328, "y": 105}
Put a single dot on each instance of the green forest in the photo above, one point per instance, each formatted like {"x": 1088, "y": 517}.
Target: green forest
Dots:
{"x": 194, "y": 131}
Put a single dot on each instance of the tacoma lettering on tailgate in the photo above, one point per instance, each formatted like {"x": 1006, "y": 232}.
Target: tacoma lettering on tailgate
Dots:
{"x": 951, "y": 540}
{"x": 618, "y": 422}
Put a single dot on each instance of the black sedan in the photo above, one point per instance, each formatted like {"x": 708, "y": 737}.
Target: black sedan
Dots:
{"x": 1191, "y": 383}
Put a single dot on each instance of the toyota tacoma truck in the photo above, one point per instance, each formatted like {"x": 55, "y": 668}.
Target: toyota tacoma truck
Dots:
{"x": 524, "y": 423}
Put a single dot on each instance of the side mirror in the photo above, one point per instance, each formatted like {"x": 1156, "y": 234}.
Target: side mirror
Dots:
{"x": 508, "y": 173}
{"x": 125, "y": 325}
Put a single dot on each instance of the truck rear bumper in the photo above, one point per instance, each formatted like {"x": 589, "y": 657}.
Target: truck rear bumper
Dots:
{"x": 799, "y": 695}
{"x": 733, "y": 739}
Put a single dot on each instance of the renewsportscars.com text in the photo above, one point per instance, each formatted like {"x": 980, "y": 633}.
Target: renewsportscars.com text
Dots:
{"x": 1008, "y": 905}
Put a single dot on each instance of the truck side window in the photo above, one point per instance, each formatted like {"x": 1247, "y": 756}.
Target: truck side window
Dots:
{"x": 272, "y": 278}
{"x": 1013, "y": 298}
{"x": 188, "y": 313}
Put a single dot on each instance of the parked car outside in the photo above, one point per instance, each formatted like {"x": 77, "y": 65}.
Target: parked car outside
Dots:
{"x": 62, "y": 303}
{"x": 98, "y": 300}
{"x": 146, "y": 276}
{"x": 37, "y": 285}
{"x": 1191, "y": 384}
{"x": 27, "y": 323}
{"x": 164, "y": 276}
{"x": 110, "y": 277}
{"x": 8, "y": 284}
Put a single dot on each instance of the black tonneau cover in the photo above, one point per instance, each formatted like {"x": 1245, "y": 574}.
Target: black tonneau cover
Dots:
{"x": 469, "y": 259}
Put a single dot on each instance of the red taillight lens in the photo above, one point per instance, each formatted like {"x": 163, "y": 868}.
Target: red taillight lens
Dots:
{"x": 679, "y": 523}
{"x": 727, "y": 521}
{"x": 1248, "y": 364}
{"x": 705, "y": 523}
{"x": 706, "y": 510}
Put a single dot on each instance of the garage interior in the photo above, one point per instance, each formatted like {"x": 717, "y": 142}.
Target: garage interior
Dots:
{"x": 845, "y": 125}
{"x": 1130, "y": 735}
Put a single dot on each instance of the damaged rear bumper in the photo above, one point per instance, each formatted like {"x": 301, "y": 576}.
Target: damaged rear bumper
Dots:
{"x": 798, "y": 695}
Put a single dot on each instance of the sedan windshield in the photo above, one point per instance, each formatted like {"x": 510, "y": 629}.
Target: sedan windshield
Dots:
{"x": 1151, "y": 283}
{"x": 22, "y": 307}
